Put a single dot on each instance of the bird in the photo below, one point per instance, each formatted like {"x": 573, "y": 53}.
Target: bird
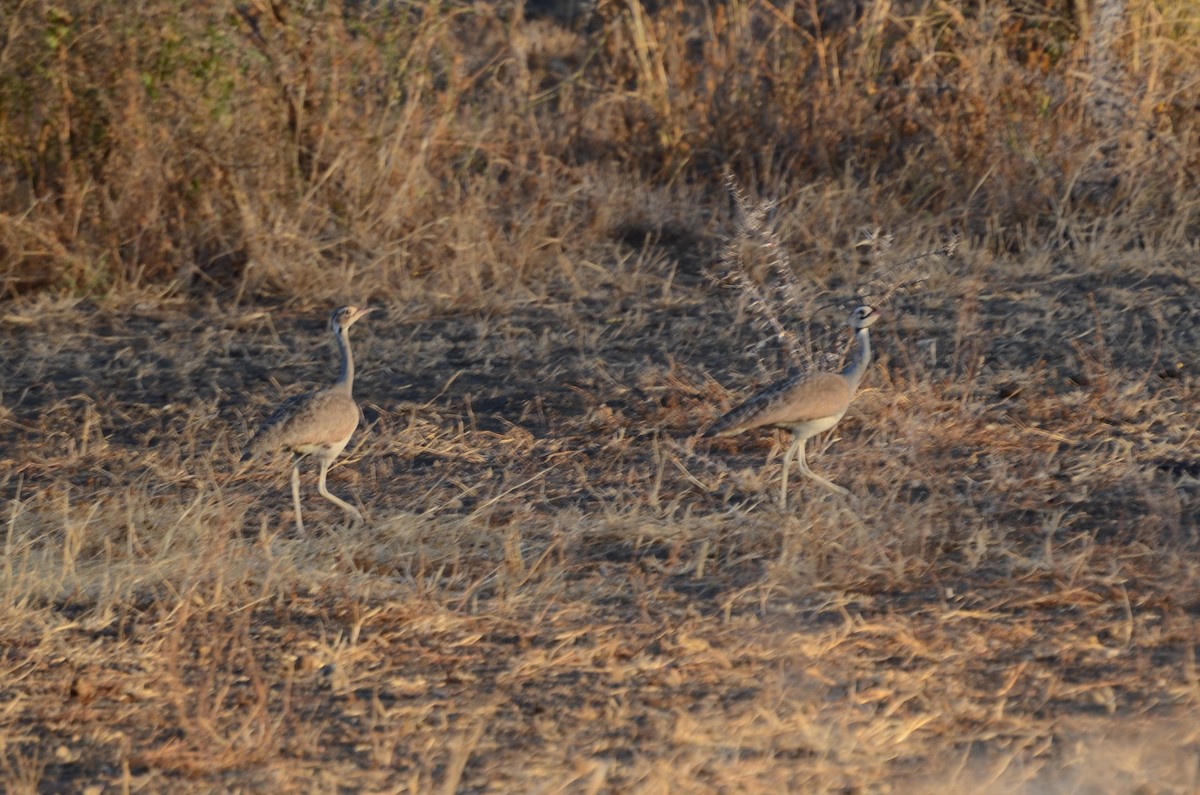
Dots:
{"x": 317, "y": 423}
{"x": 806, "y": 404}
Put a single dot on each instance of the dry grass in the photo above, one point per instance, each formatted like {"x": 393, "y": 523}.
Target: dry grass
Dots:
{"x": 558, "y": 586}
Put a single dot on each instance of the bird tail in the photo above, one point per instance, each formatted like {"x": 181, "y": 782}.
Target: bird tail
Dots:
{"x": 740, "y": 417}
{"x": 254, "y": 447}
{"x": 723, "y": 426}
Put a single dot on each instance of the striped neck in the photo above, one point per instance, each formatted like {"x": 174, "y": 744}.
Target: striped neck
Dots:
{"x": 345, "y": 381}
{"x": 855, "y": 371}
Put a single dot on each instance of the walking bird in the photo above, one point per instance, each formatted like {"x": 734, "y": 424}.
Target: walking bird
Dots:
{"x": 806, "y": 404}
{"x": 318, "y": 423}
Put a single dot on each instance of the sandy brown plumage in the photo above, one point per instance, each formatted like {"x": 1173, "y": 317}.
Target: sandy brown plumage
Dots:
{"x": 317, "y": 423}
{"x": 306, "y": 421}
{"x": 805, "y": 405}
{"x": 803, "y": 398}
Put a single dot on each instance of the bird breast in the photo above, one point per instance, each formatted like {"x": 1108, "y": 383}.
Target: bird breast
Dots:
{"x": 329, "y": 419}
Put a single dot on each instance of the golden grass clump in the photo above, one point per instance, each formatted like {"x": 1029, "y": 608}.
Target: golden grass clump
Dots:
{"x": 458, "y": 151}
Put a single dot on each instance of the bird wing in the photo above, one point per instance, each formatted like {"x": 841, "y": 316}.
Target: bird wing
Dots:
{"x": 794, "y": 400}
{"x": 313, "y": 418}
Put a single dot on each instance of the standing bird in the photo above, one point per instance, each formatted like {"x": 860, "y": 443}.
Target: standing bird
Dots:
{"x": 806, "y": 404}
{"x": 316, "y": 423}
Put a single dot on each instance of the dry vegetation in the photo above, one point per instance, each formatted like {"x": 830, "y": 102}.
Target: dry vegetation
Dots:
{"x": 558, "y": 587}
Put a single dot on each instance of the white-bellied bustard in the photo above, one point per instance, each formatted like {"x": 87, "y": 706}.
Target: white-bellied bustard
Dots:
{"x": 806, "y": 404}
{"x": 318, "y": 423}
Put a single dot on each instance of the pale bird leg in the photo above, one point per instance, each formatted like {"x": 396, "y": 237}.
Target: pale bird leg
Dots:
{"x": 324, "y": 492}
{"x": 798, "y": 444}
{"x": 296, "y": 494}
{"x": 797, "y": 451}
{"x": 826, "y": 483}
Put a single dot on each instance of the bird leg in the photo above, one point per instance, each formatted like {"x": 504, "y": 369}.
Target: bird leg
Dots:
{"x": 796, "y": 451}
{"x": 798, "y": 444}
{"x": 345, "y": 506}
{"x": 826, "y": 483}
{"x": 296, "y": 493}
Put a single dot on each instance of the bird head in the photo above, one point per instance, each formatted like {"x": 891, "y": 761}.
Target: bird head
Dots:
{"x": 344, "y": 317}
{"x": 863, "y": 317}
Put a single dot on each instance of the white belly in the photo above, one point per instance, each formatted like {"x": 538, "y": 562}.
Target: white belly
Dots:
{"x": 328, "y": 450}
{"x": 809, "y": 428}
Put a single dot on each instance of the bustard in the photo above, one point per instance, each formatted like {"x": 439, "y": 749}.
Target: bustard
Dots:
{"x": 316, "y": 423}
{"x": 806, "y": 404}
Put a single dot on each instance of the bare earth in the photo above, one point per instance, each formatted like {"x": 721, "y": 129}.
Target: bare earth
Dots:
{"x": 559, "y": 588}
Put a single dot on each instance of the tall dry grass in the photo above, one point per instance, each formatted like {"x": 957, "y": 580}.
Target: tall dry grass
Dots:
{"x": 451, "y": 152}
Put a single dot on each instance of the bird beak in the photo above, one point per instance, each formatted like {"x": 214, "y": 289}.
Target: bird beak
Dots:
{"x": 351, "y": 318}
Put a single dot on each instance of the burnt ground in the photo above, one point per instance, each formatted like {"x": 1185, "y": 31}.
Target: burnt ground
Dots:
{"x": 559, "y": 583}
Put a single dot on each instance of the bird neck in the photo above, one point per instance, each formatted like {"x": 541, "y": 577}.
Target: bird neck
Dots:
{"x": 855, "y": 371}
{"x": 345, "y": 380}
